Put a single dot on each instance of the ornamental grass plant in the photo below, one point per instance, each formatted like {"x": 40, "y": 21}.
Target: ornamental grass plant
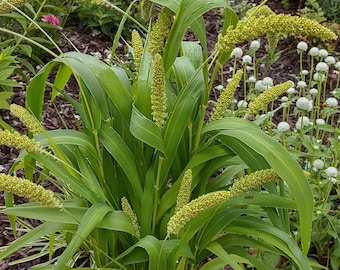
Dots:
{"x": 145, "y": 181}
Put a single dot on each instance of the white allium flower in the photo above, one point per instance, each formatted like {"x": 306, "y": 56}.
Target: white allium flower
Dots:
{"x": 284, "y": 99}
{"x": 219, "y": 87}
{"x": 302, "y": 46}
{"x": 318, "y": 212}
{"x": 316, "y": 147}
{"x": 291, "y": 91}
{"x": 283, "y": 126}
{"x": 333, "y": 180}
{"x": 337, "y": 65}
{"x": 331, "y": 102}
{"x": 321, "y": 67}
{"x": 252, "y": 79}
{"x": 331, "y": 172}
{"x": 246, "y": 59}
{"x": 320, "y": 122}
{"x": 237, "y": 52}
{"x": 313, "y": 91}
{"x": 302, "y": 122}
{"x": 255, "y": 44}
{"x": 318, "y": 164}
{"x": 304, "y": 72}
{"x": 260, "y": 86}
{"x": 301, "y": 84}
{"x": 304, "y": 104}
{"x": 242, "y": 103}
{"x": 2, "y": 168}
{"x": 314, "y": 52}
{"x": 267, "y": 81}
{"x": 229, "y": 80}
{"x": 323, "y": 53}
{"x": 319, "y": 77}
{"x": 330, "y": 60}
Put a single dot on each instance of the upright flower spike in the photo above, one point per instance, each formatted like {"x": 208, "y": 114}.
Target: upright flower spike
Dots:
{"x": 253, "y": 27}
{"x": 226, "y": 97}
{"x": 146, "y": 9}
{"x": 160, "y": 31}
{"x": 27, "y": 189}
{"x": 137, "y": 45}
{"x": 184, "y": 192}
{"x": 252, "y": 180}
{"x": 27, "y": 119}
{"x": 5, "y": 8}
{"x": 267, "y": 96}
{"x": 195, "y": 207}
{"x": 158, "y": 95}
{"x": 18, "y": 140}
{"x": 128, "y": 210}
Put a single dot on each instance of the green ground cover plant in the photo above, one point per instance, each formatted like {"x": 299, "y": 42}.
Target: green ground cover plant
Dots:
{"x": 146, "y": 181}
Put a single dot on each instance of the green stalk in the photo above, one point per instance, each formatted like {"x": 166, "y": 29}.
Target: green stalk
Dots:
{"x": 156, "y": 196}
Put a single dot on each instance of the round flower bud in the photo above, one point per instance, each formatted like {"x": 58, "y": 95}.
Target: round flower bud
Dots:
{"x": 337, "y": 65}
{"x": 321, "y": 67}
{"x": 313, "y": 91}
{"x": 303, "y": 104}
{"x": 318, "y": 77}
{"x": 301, "y": 84}
{"x": 330, "y": 60}
{"x": 331, "y": 102}
{"x": 283, "y": 126}
{"x": 302, "y": 46}
{"x": 260, "y": 86}
{"x": 255, "y": 44}
{"x": 242, "y": 103}
{"x": 333, "y": 180}
{"x": 318, "y": 164}
{"x": 267, "y": 81}
{"x": 304, "y": 72}
{"x": 252, "y": 79}
{"x": 323, "y": 53}
{"x": 246, "y": 59}
{"x": 291, "y": 91}
{"x": 320, "y": 122}
{"x": 302, "y": 122}
{"x": 284, "y": 99}
{"x": 314, "y": 52}
{"x": 331, "y": 172}
{"x": 237, "y": 52}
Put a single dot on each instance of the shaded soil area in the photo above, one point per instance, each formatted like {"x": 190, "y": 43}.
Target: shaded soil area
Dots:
{"x": 59, "y": 114}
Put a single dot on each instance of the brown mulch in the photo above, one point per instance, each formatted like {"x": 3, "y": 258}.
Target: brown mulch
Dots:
{"x": 52, "y": 113}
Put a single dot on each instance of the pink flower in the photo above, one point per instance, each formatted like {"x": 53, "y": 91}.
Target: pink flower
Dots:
{"x": 52, "y": 20}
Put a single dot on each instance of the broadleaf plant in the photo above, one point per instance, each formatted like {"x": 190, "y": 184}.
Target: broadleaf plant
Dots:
{"x": 146, "y": 181}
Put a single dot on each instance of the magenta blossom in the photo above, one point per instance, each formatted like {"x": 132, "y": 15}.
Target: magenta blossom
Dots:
{"x": 52, "y": 20}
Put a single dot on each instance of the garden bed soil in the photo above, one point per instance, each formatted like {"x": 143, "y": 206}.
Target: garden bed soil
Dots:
{"x": 60, "y": 115}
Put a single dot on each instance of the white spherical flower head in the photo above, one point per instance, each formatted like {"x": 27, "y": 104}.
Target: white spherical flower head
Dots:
{"x": 320, "y": 122}
{"x": 283, "y": 126}
{"x": 302, "y": 122}
{"x": 304, "y": 72}
{"x": 314, "y": 52}
{"x": 302, "y": 46}
{"x": 219, "y": 87}
{"x": 318, "y": 164}
{"x": 321, "y": 67}
{"x": 313, "y": 91}
{"x": 246, "y": 59}
{"x": 303, "y": 104}
{"x": 333, "y": 180}
{"x": 284, "y": 99}
{"x": 301, "y": 84}
{"x": 337, "y": 65}
{"x": 323, "y": 53}
{"x": 318, "y": 77}
{"x": 267, "y": 81}
{"x": 242, "y": 104}
{"x": 255, "y": 44}
{"x": 237, "y": 52}
{"x": 291, "y": 91}
{"x": 330, "y": 60}
{"x": 331, "y": 102}
{"x": 252, "y": 79}
{"x": 331, "y": 172}
{"x": 260, "y": 86}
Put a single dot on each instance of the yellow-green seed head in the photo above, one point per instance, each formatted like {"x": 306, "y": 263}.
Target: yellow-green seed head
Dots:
{"x": 146, "y": 9}
{"x": 27, "y": 119}
{"x": 128, "y": 210}
{"x": 5, "y": 8}
{"x": 27, "y": 189}
{"x": 253, "y": 27}
{"x": 17, "y": 140}
{"x": 158, "y": 95}
{"x": 195, "y": 207}
{"x": 253, "y": 180}
{"x": 184, "y": 192}
{"x": 137, "y": 45}
{"x": 160, "y": 31}
{"x": 226, "y": 97}
{"x": 93, "y": 2}
{"x": 267, "y": 96}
